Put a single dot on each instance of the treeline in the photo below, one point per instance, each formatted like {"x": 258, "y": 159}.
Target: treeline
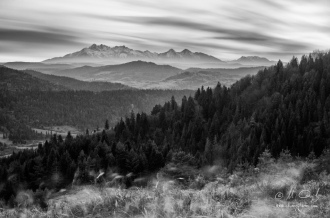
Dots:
{"x": 79, "y": 160}
{"x": 15, "y": 130}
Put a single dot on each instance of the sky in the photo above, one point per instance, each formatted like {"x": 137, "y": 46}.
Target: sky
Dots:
{"x": 35, "y": 30}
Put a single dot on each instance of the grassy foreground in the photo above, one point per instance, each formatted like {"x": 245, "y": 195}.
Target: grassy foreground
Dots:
{"x": 282, "y": 188}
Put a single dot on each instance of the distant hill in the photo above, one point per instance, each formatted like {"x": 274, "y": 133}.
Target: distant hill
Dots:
{"x": 75, "y": 84}
{"x": 216, "y": 71}
{"x": 135, "y": 74}
{"x": 253, "y": 61}
{"x": 97, "y": 53}
{"x": 194, "y": 78}
{"x": 15, "y": 80}
{"x": 38, "y": 66}
{"x": 148, "y": 75}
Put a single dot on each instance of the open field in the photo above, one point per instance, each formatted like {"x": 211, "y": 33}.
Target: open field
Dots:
{"x": 9, "y": 149}
{"x": 8, "y": 146}
{"x": 60, "y": 130}
{"x": 4, "y": 141}
{"x": 285, "y": 189}
{"x": 33, "y": 144}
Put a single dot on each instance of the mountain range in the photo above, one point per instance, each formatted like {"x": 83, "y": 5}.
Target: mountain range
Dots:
{"x": 253, "y": 61}
{"x": 98, "y": 53}
{"x": 140, "y": 69}
{"x": 102, "y": 55}
{"x": 121, "y": 54}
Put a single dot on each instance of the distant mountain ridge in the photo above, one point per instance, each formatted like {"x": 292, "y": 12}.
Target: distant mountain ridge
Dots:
{"x": 129, "y": 73}
{"x": 28, "y": 80}
{"x": 74, "y": 84}
{"x": 194, "y": 78}
{"x": 15, "y": 80}
{"x": 38, "y": 66}
{"x": 253, "y": 60}
{"x": 106, "y": 53}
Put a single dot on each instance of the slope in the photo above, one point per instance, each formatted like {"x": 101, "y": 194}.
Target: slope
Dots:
{"x": 135, "y": 74}
{"x": 74, "y": 84}
{"x": 15, "y": 80}
{"x": 194, "y": 78}
{"x": 38, "y": 66}
{"x": 253, "y": 61}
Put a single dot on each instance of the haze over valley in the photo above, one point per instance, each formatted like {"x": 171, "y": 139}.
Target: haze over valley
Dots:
{"x": 147, "y": 70}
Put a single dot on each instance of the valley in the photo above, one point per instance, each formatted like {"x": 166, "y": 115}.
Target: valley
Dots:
{"x": 143, "y": 75}
{"x": 7, "y": 147}
{"x": 125, "y": 68}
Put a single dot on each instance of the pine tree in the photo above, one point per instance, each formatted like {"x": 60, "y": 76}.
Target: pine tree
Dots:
{"x": 106, "y": 125}
{"x": 209, "y": 152}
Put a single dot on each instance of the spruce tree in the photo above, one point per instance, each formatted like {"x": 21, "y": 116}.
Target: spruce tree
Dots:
{"x": 106, "y": 125}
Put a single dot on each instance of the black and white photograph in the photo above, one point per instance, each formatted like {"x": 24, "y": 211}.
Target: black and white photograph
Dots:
{"x": 164, "y": 109}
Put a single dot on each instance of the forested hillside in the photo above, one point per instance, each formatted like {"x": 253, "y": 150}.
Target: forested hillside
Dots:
{"x": 16, "y": 130}
{"x": 82, "y": 109}
{"x": 74, "y": 84}
{"x": 281, "y": 108}
{"x": 38, "y": 66}
{"x": 14, "y": 80}
{"x": 194, "y": 78}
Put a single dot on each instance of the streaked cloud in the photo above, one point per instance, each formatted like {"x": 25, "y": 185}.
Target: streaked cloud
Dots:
{"x": 46, "y": 36}
{"x": 225, "y": 29}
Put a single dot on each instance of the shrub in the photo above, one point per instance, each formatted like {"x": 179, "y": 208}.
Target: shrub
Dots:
{"x": 324, "y": 161}
{"x": 183, "y": 158}
{"x": 265, "y": 161}
{"x": 308, "y": 174}
{"x": 311, "y": 156}
{"x": 24, "y": 199}
{"x": 198, "y": 183}
{"x": 40, "y": 197}
{"x": 285, "y": 156}
{"x": 184, "y": 174}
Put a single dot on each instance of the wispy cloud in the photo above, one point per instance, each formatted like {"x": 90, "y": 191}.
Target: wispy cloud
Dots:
{"x": 40, "y": 37}
{"x": 225, "y": 29}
